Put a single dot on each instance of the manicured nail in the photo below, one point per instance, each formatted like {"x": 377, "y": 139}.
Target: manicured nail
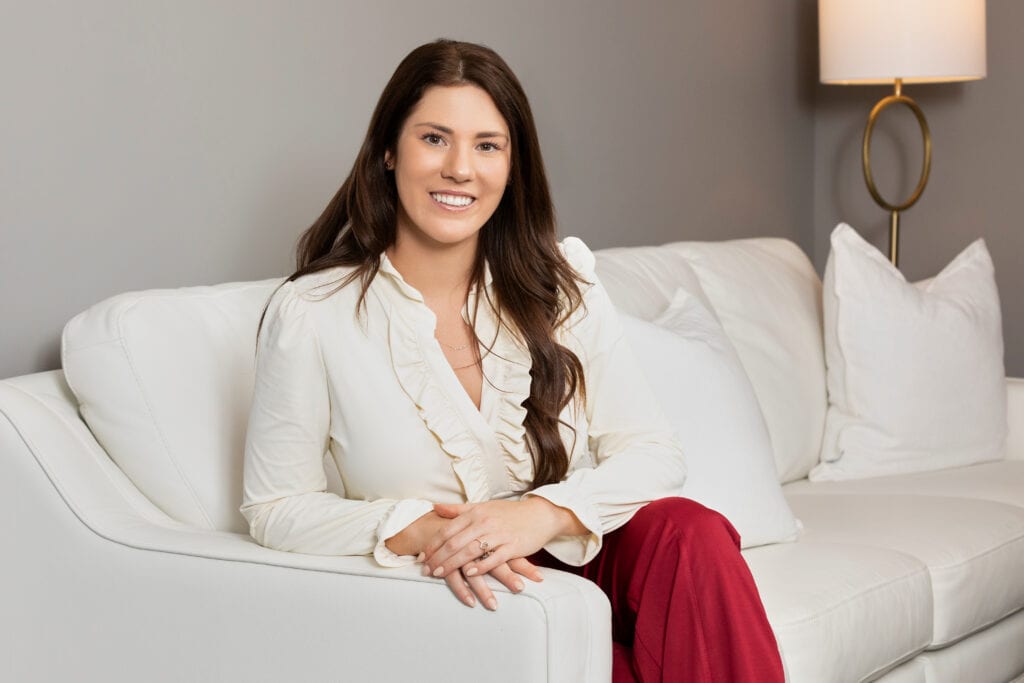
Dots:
{"x": 471, "y": 601}
{"x": 492, "y": 604}
{"x": 470, "y": 572}
{"x": 421, "y": 557}
{"x": 439, "y": 571}
{"x": 519, "y": 585}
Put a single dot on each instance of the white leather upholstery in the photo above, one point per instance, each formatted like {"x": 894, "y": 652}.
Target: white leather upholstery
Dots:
{"x": 1015, "y": 418}
{"x": 842, "y": 612}
{"x": 104, "y": 586}
{"x": 994, "y": 655}
{"x": 1001, "y": 482}
{"x": 974, "y": 549}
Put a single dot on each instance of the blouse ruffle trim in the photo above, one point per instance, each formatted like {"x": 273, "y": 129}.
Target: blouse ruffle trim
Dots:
{"x": 514, "y": 387}
{"x": 436, "y": 410}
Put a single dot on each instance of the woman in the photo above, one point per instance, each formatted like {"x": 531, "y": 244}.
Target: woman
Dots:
{"x": 467, "y": 375}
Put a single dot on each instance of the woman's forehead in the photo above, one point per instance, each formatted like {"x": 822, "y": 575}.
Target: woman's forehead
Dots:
{"x": 460, "y": 109}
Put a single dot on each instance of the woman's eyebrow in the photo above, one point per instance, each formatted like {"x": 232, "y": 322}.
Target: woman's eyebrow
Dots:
{"x": 449, "y": 131}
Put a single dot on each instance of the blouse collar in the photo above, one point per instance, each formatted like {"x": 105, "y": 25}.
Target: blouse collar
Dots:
{"x": 388, "y": 268}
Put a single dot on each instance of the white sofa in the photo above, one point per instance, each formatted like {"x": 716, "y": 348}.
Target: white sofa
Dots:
{"x": 129, "y": 561}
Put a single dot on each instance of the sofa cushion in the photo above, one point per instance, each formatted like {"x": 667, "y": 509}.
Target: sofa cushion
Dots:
{"x": 642, "y": 281}
{"x": 915, "y": 371}
{"x": 842, "y": 612}
{"x": 995, "y": 654}
{"x": 974, "y": 549}
{"x": 1001, "y": 481}
{"x": 768, "y": 297}
{"x": 704, "y": 392}
{"x": 164, "y": 380}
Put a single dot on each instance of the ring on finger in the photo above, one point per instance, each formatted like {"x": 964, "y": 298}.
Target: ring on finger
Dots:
{"x": 484, "y": 545}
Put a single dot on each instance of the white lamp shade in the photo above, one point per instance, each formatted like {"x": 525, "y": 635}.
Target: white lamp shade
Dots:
{"x": 920, "y": 41}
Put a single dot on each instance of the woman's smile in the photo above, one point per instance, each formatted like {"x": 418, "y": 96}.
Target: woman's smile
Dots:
{"x": 453, "y": 201}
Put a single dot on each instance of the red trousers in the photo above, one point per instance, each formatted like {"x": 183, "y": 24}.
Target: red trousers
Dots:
{"x": 684, "y": 605}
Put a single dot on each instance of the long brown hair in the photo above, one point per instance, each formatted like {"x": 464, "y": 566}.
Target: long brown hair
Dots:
{"x": 535, "y": 289}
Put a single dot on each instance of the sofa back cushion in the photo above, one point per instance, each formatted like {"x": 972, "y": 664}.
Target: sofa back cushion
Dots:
{"x": 767, "y": 296}
{"x": 164, "y": 380}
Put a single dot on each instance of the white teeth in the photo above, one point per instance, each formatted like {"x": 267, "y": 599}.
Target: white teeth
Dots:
{"x": 452, "y": 199}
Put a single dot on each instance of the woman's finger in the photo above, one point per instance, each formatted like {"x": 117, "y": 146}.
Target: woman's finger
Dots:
{"x": 461, "y": 589}
{"x": 524, "y": 567}
{"x": 481, "y": 565}
{"x": 451, "y": 510}
{"x": 505, "y": 574}
{"x": 461, "y": 549}
{"x": 448, "y": 560}
{"x": 482, "y": 590}
{"x": 450, "y": 529}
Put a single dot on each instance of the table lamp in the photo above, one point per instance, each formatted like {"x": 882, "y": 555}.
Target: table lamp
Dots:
{"x": 871, "y": 42}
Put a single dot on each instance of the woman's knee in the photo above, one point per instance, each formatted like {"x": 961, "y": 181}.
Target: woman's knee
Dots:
{"x": 688, "y": 517}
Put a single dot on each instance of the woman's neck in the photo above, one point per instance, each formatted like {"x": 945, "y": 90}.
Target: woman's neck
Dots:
{"x": 440, "y": 272}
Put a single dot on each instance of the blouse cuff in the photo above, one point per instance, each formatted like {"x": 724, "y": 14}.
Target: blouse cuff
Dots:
{"x": 402, "y": 514}
{"x": 572, "y": 550}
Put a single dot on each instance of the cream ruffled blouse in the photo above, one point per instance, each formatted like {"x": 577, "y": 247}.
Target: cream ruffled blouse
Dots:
{"x": 377, "y": 395}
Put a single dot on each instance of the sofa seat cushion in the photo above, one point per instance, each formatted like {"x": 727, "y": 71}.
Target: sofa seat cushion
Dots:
{"x": 1001, "y": 481}
{"x": 995, "y": 654}
{"x": 974, "y": 549}
{"x": 842, "y": 612}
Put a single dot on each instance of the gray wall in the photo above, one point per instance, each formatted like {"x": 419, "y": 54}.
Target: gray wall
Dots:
{"x": 976, "y": 177}
{"x": 164, "y": 144}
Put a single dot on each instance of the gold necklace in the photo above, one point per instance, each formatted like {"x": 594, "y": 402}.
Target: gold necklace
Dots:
{"x": 453, "y": 348}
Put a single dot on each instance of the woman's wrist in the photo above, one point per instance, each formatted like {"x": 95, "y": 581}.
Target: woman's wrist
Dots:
{"x": 412, "y": 539}
{"x": 564, "y": 521}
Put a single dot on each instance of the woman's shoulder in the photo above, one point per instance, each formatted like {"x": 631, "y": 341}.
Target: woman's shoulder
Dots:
{"x": 318, "y": 286}
{"x": 579, "y": 256}
{"x": 294, "y": 299}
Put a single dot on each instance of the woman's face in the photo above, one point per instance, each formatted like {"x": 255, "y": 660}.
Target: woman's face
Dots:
{"x": 451, "y": 165}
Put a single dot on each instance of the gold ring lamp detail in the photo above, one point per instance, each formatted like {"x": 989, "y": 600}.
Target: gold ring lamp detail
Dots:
{"x": 893, "y": 42}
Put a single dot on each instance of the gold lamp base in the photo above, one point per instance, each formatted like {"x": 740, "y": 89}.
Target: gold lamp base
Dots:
{"x": 894, "y": 223}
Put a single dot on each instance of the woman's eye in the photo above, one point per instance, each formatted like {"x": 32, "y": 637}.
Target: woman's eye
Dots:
{"x": 433, "y": 139}
{"x": 489, "y": 147}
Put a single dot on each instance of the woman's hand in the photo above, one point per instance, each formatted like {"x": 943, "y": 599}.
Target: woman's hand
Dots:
{"x": 482, "y": 536}
{"x": 430, "y": 527}
{"x": 413, "y": 539}
{"x": 509, "y": 573}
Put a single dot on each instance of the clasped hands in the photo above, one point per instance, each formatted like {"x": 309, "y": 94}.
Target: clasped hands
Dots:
{"x": 464, "y": 542}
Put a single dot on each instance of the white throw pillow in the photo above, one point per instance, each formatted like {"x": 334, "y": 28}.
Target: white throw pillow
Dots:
{"x": 915, "y": 371}
{"x": 706, "y": 395}
{"x": 164, "y": 380}
{"x": 767, "y": 296}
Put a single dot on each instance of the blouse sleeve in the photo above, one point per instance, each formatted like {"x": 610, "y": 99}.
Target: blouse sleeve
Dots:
{"x": 284, "y": 493}
{"x": 637, "y": 456}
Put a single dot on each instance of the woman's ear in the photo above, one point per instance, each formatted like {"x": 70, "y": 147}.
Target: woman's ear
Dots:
{"x": 389, "y": 161}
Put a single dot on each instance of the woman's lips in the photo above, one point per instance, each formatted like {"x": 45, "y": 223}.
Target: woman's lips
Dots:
{"x": 453, "y": 202}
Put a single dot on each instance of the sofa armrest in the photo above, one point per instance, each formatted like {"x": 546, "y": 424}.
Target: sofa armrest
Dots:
{"x": 98, "y": 583}
{"x": 1015, "y": 418}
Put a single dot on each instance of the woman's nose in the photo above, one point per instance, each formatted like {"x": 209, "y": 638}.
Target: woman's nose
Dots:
{"x": 458, "y": 164}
